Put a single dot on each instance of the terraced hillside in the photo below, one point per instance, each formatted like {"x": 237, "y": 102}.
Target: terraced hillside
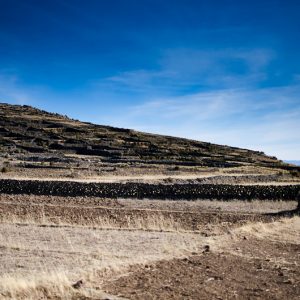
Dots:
{"x": 37, "y": 139}
{"x": 96, "y": 212}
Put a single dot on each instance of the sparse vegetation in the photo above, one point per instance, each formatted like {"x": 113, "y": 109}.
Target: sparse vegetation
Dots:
{"x": 31, "y": 131}
{"x": 4, "y": 170}
{"x": 51, "y": 238}
{"x": 49, "y": 257}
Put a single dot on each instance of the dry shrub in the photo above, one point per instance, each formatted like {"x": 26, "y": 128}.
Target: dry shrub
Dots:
{"x": 4, "y": 170}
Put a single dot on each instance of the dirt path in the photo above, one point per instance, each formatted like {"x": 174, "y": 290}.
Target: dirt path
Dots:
{"x": 219, "y": 178}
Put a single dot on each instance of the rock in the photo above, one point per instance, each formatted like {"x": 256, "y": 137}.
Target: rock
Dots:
{"x": 289, "y": 281}
{"x": 78, "y": 284}
{"x": 206, "y": 248}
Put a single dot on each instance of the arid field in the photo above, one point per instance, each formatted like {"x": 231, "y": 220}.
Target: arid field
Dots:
{"x": 96, "y": 212}
{"x": 147, "y": 249}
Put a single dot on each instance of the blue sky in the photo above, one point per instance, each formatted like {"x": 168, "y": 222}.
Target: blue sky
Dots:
{"x": 226, "y": 71}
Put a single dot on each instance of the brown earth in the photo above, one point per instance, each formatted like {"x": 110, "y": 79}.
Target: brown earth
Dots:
{"x": 218, "y": 275}
{"x": 257, "y": 262}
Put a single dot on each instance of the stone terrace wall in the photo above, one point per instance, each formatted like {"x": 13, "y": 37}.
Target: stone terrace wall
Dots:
{"x": 150, "y": 191}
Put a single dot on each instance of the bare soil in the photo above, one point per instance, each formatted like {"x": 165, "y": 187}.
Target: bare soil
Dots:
{"x": 258, "y": 261}
{"x": 218, "y": 275}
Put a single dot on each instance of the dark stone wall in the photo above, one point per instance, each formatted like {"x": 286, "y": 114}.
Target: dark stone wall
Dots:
{"x": 150, "y": 191}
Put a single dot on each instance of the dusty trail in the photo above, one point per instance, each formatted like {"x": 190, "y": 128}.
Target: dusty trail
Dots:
{"x": 217, "y": 178}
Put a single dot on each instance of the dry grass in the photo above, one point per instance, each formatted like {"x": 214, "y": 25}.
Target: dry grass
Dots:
{"x": 42, "y": 257}
{"x": 44, "y": 260}
{"x": 253, "y": 206}
{"x": 44, "y": 286}
{"x": 237, "y": 206}
{"x": 157, "y": 222}
{"x": 41, "y": 261}
{"x": 284, "y": 230}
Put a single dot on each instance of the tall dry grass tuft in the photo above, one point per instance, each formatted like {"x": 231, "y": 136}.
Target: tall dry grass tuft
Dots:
{"x": 46, "y": 286}
{"x": 283, "y": 230}
{"x": 157, "y": 222}
{"x": 151, "y": 222}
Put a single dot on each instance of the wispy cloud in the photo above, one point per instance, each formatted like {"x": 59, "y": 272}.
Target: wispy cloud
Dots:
{"x": 210, "y": 66}
{"x": 214, "y": 105}
{"x": 141, "y": 81}
{"x": 181, "y": 69}
{"x": 232, "y": 117}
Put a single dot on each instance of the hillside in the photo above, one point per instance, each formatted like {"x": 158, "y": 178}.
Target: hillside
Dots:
{"x": 96, "y": 212}
{"x": 31, "y": 138}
